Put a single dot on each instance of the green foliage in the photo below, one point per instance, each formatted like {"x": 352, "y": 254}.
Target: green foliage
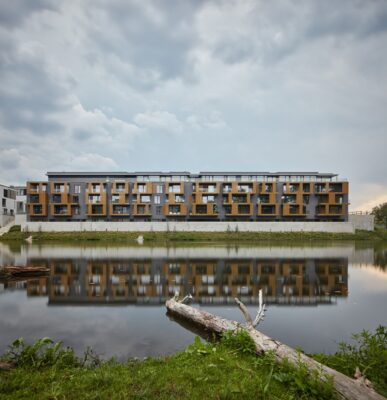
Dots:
{"x": 43, "y": 353}
{"x": 239, "y": 340}
{"x": 380, "y": 213}
{"x": 369, "y": 353}
{"x": 228, "y": 369}
{"x": 15, "y": 228}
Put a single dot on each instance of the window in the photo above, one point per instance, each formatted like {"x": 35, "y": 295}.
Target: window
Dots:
{"x": 159, "y": 210}
{"x": 60, "y": 210}
{"x": 263, "y": 198}
{"x": 243, "y": 209}
{"x": 208, "y": 199}
{"x": 174, "y": 209}
{"x": 95, "y": 199}
{"x": 120, "y": 187}
{"x": 145, "y": 199}
{"x": 4, "y": 202}
{"x": 115, "y": 198}
{"x": 56, "y": 198}
{"x": 96, "y": 209}
{"x": 77, "y": 189}
{"x": 34, "y": 198}
{"x": 268, "y": 209}
{"x": 157, "y": 200}
{"x": 159, "y": 189}
{"x": 174, "y": 189}
{"x": 201, "y": 209}
{"x": 120, "y": 209}
{"x": 37, "y": 209}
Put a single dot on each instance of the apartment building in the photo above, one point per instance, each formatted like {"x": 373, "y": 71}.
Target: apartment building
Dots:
{"x": 21, "y": 199}
{"x": 206, "y": 196}
{"x": 7, "y": 204}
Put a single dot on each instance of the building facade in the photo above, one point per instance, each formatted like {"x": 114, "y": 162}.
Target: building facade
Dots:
{"x": 7, "y": 204}
{"x": 182, "y": 196}
{"x": 21, "y": 199}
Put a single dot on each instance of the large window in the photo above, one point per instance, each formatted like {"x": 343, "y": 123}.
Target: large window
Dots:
{"x": 145, "y": 199}
{"x": 174, "y": 209}
{"x": 159, "y": 189}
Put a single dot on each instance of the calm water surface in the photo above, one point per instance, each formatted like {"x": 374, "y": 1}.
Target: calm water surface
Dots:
{"x": 112, "y": 297}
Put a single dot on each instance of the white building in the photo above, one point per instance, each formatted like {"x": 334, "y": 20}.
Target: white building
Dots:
{"x": 7, "y": 204}
{"x": 21, "y": 199}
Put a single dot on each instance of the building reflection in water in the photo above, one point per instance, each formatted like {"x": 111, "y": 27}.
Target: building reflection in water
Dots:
{"x": 210, "y": 281}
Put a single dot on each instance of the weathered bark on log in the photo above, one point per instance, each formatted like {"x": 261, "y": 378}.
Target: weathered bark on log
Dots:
{"x": 345, "y": 387}
{"x": 7, "y": 366}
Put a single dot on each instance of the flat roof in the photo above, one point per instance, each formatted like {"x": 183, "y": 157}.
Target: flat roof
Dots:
{"x": 186, "y": 173}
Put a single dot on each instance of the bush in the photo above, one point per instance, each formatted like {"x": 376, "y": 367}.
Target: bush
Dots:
{"x": 369, "y": 353}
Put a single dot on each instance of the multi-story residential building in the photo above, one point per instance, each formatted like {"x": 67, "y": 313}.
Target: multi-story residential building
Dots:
{"x": 212, "y": 196}
{"x": 7, "y": 204}
{"x": 21, "y": 199}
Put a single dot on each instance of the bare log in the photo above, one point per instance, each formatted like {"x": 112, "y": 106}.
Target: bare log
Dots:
{"x": 345, "y": 387}
{"x": 7, "y": 366}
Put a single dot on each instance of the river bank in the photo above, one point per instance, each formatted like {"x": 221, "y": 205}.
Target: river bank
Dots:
{"x": 15, "y": 234}
{"x": 225, "y": 369}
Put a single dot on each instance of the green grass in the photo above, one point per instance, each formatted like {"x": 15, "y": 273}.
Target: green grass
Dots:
{"x": 228, "y": 369}
{"x": 198, "y": 237}
{"x": 368, "y": 352}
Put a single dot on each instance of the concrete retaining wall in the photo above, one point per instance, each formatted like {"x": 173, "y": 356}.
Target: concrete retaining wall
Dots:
{"x": 155, "y": 226}
{"x": 5, "y": 219}
{"x": 364, "y": 222}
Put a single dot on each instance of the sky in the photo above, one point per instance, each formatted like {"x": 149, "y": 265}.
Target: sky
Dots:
{"x": 191, "y": 85}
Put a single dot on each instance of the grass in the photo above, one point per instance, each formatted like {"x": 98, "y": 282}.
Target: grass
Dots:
{"x": 228, "y": 369}
{"x": 368, "y": 352}
{"x": 15, "y": 234}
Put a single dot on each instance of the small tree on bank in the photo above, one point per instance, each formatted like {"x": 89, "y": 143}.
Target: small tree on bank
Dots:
{"x": 380, "y": 213}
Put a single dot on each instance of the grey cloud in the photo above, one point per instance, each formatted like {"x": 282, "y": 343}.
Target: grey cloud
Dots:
{"x": 152, "y": 38}
{"x": 280, "y": 30}
{"x": 13, "y": 12}
{"x": 29, "y": 96}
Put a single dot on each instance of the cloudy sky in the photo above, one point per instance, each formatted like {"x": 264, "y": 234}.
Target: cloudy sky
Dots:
{"x": 195, "y": 85}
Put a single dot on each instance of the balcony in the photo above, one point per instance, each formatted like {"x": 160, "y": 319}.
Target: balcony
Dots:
{"x": 141, "y": 210}
{"x": 267, "y": 210}
{"x": 204, "y": 210}
{"x": 175, "y": 188}
{"x": 320, "y": 188}
{"x": 60, "y": 210}
{"x": 97, "y": 210}
{"x": 241, "y": 209}
{"x": 294, "y": 210}
{"x": 206, "y": 188}
{"x": 120, "y": 209}
{"x": 245, "y": 188}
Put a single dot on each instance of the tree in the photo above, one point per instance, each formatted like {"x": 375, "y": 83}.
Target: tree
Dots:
{"x": 380, "y": 213}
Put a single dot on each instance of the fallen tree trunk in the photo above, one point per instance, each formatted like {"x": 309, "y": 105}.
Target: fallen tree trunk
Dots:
{"x": 345, "y": 387}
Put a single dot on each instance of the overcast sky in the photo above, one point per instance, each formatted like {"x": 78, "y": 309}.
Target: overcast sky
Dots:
{"x": 195, "y": 85}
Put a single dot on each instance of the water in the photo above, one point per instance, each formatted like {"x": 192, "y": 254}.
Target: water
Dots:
{"x": 112, "y": 297}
